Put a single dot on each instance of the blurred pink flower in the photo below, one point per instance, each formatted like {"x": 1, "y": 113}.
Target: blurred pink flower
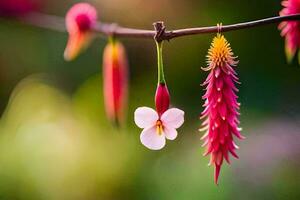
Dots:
{"x": 291, "y": 29}
{"x": 115, "y": 81}
{"x": 79, "y": 22}
{"x": 221, "y": 106}
{"x": 17, "y": 8}
{"x": 157, "y": 129}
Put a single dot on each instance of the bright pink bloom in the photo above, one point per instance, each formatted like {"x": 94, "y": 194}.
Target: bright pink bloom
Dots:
{"x": 17, "y": 8}
{"x": 79, "y": 22}
{"x": 221, "y": 106}
{"x": 291, "y": 29}
{"x": 162, "y": 98}
{"x": 115, "y": 78}
{"x": 158, "y": 128}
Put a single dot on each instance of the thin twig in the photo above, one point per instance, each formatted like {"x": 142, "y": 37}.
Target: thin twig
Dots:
{"x": 57, "y": 24}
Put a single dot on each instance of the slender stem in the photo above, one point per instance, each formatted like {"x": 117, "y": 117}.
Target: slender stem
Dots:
{"x": 160, "y": 64}
{"x": 57, "y": 23}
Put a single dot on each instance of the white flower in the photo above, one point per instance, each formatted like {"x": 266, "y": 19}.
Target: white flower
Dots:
{"x": 157, "y": 129}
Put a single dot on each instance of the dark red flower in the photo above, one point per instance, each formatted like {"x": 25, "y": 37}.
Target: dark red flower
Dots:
{"x": 162, "y": 98}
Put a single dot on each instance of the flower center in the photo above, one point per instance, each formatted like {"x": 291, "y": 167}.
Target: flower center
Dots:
{"x": 83, "y": 22}
{"x": 159, "y": 127}
{"x": 220, "y": 51}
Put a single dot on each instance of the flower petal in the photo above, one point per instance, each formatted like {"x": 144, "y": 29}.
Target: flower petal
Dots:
{"x": 173, "y": 117}
{"x": 170, "y": 133}
{"x": 76, "y": 43}
{"x": 151, "y": 139}
{"x": 145, "y": 117}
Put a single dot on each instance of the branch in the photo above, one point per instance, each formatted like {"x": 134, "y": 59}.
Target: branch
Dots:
{"x": 58, "y": 24}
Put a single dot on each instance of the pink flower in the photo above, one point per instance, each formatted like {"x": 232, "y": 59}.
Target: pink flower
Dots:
{"x": 221, "y": 106}
{"x": 291, "y": 29}
{"x": 79, "y": 22}
{"x": 161, "y": 124}
{"x": 157, "y": 129}
{"x": 115, "y": 86}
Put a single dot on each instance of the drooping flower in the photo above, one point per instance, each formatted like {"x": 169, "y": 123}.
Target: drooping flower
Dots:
{"x": 161, "y": 124}
{"x": 221, "y": 106}
{"x": 17, "y": 8}
{"x": 115, "y": 81}
{"x": 291, "y": 29}
{"x": 158, "y": 128}
{"x": 79, "y": 22}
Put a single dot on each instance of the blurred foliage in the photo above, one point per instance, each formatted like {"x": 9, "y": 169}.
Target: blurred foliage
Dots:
{"x": 55, "y": 142}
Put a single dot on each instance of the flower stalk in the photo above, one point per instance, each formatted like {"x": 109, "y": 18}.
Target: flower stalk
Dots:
{"x": 160, "y": 64}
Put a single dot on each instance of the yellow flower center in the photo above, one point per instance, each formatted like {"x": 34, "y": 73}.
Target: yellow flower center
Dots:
{"x": 159, "y": 127}
{"x": 220, "y": 51}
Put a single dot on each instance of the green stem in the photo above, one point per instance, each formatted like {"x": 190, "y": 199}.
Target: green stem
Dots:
{"x": 111, "y": 39}
{"x": 160, "y": 65}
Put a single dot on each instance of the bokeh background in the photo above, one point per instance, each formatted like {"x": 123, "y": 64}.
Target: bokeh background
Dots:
{"x": 56, "y": 143}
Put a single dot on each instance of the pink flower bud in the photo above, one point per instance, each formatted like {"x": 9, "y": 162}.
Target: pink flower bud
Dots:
{"x": 115, "y": 81}
{"x": 162, "y": 98}
{"x": 79, "y": 22}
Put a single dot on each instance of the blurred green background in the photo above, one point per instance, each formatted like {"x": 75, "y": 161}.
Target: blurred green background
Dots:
{"x": 55, "y": 142}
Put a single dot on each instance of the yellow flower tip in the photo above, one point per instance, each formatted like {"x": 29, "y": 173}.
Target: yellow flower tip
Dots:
{"x": 289, "y": 54}
{"x": 220, "y": 51}
{"x": 76, "y": 44}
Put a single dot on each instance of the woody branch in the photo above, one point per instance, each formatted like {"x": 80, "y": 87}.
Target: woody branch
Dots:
{"x": 58, "y": 24}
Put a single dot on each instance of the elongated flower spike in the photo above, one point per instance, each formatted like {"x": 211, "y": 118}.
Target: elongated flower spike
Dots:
{"x": 161, "y": 124}
{"x": 221, "y": 106}
{"x": 291, "y": 29}
{"x": 79, "y": 22}
{"x": 115, "y": 81}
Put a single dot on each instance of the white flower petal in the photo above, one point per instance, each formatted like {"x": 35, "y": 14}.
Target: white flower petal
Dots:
{"x": 151, "y": 139}
{"x": 170, "y": 133}
{"x": 145, "y": 117}
{"x": 173, "y": 117}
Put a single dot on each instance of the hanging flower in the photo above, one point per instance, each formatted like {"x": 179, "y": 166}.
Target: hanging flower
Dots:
{"x": 79, "y": 22}
{"x": 157, "y": 129}
{"x": 161, "y": 124}
{"x": 115, "y": 75}
{"x": 221, "y": 106}
{"x": 291, "y": 29}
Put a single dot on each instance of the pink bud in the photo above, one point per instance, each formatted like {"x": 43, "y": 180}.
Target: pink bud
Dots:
{"x": 115, "y": 72}
{"x": 79, "y": 21}
{"x": 162, "y": 98}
